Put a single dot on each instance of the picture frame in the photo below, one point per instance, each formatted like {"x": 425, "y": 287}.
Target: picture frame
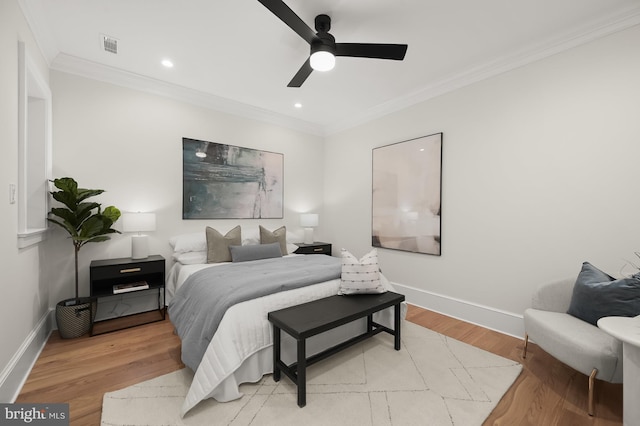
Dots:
{"x": 223, "y": 181}
{"x": 407, "y": 195}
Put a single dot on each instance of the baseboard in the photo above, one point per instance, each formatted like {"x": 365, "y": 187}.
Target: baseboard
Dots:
{"x": 485, "y": 316}
{"x": 16, "y": 372}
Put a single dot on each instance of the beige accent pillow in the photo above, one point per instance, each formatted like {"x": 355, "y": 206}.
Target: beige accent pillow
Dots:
{"x": 218, "y": 244}
{"x": 277, "y": 236}
{"x": 360, "y": 276}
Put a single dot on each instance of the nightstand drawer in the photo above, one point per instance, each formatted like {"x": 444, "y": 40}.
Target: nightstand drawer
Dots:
{"x": 314, "y": 248}
{"x": 115, "y": 268}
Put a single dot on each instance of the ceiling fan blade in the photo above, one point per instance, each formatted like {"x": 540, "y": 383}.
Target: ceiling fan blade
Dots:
{"x": 372, "y": 50}
{"x": 288, "y": 16}
{"x": 301, "y": 75}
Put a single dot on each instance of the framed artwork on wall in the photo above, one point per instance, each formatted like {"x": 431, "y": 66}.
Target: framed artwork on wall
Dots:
{"x": 230, "y": 182}
{"x": 406, "y": 195}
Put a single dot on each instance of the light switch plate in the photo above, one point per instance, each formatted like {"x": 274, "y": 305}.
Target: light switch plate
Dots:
{"x": 12, "y": 193}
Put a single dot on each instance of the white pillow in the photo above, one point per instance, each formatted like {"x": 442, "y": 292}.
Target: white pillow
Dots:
{"x": 191, "y": 258}
{"x": 360, "y": 276}
{"x": 250, "y": 236}
{"x": 184, "y": 243}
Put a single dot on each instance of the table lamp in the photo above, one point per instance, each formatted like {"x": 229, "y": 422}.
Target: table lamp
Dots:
{"x": 308, "y": 221}
{"x": 139, "y": 222}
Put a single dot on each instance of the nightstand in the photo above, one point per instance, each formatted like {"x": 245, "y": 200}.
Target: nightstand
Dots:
{"x": 125, "y": 277}
{"x": 316, "y": 247}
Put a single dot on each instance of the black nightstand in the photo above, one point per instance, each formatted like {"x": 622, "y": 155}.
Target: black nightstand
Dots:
{"x": 126, "y": 276}
{"x": 316, "y": 247}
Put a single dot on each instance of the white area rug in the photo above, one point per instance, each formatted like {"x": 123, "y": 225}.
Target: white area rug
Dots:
{"x": 433, "y": 380}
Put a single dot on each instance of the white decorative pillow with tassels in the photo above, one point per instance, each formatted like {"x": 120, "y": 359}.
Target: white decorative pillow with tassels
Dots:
{"x": 360, "y": 276}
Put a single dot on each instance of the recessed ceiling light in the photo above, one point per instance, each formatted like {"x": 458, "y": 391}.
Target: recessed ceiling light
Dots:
{"x": 297, "y": 105}
{"x": 167, "y": 63}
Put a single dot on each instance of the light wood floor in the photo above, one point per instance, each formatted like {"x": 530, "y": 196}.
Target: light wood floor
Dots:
{"x": 79, "y": 371}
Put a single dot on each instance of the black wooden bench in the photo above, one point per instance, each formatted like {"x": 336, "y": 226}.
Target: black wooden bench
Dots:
{"x": 308, "y": 319}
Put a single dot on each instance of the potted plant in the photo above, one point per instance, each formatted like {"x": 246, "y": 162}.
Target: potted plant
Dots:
{"x": 85, "y": 222}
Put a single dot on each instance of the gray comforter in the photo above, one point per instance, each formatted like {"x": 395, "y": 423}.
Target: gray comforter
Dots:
{"x": 201, "y": 302}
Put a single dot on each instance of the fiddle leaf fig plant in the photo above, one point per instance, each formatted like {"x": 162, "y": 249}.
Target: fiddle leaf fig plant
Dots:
{"x": 84, "y": 221}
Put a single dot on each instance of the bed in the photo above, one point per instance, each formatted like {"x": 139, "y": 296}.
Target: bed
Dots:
{"x": 240, "y": 350}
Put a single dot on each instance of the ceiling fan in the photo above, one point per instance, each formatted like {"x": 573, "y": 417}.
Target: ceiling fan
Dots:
{"x": 324, "y": 48}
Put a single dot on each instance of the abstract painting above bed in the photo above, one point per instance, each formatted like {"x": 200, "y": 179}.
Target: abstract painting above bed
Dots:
{"x": 230, "y": 182}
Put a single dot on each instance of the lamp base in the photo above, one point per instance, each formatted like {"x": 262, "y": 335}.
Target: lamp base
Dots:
{"x": 308, "y": 236}
{"x": 139, "y": 247}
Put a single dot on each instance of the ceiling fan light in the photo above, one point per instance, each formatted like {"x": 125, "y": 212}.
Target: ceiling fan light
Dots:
{"x": 322, "y": 61}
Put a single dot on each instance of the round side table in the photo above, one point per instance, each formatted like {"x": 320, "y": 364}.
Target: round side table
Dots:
{"x": 627, "y": 330}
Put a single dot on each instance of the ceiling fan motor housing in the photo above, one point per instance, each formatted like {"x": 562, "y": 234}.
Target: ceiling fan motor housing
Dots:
{"x": 324, "y": 42}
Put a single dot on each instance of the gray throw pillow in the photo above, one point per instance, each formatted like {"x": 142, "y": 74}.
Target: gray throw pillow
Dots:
{"x": 597, "y": 295}
{"x": 218, "y": 244}
{"x": 255, "y": 252}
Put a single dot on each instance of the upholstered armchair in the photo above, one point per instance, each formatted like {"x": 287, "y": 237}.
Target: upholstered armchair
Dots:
{"x": 577, "y": 343}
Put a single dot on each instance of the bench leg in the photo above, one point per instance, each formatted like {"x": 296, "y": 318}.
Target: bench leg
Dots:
{"x": 592, "y": 380}
{"x": 396, "y": 314}
{"x": 276, "y": 353}
{"x": 302, "y": 373}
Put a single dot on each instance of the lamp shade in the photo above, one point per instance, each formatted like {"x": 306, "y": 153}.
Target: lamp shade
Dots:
{"x": 309, "y": 220}
{"x": 138, "y": 222}
{"x": 322, "y": 61}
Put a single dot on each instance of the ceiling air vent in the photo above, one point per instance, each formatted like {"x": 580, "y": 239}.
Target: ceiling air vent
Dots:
{"x": 109, "y": 44}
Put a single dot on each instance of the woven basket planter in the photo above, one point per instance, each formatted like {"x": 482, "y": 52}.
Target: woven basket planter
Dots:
{"x": 74, "y": 317}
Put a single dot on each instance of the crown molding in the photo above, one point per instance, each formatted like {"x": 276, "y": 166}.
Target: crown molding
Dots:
{"x": 569, "y": 40}
{"x": 84, "y": 68}
{"x": 40, "y": 31}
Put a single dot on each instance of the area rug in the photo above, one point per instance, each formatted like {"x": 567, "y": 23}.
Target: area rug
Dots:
{"x": 433, "y": 380}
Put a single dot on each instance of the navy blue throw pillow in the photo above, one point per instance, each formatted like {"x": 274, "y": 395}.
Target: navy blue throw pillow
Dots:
{"x": 597, "y": 295}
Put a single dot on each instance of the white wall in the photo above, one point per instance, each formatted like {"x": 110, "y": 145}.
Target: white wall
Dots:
{"x": 540, "y": 173}
{"x": 24, "y": 288}
{"x": 129, "y": 143}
